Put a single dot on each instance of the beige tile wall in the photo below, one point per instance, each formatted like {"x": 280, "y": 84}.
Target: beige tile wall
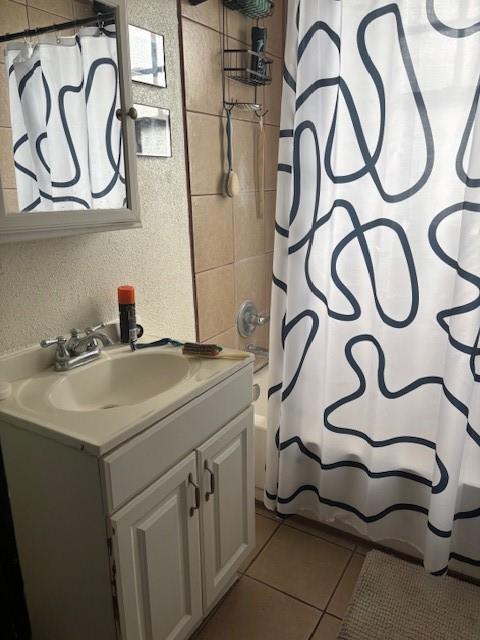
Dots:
{"x": 232, "y": 242}
{"x": 18, "y": 15}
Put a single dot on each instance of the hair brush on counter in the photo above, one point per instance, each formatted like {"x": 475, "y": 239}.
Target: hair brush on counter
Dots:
{"x": 209, "y": 351}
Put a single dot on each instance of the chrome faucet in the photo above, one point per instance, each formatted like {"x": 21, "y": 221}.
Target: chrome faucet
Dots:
{"x": 78, "y": 350}
{"x": 78, "y": 344}
{"x": 248, "y": 318}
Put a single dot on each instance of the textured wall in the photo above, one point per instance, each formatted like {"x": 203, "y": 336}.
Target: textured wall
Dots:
{"x": 49, "y": 286}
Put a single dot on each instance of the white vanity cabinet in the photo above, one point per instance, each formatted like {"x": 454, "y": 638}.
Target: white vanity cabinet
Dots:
{"x": 157, "y": 558}
{"x": 140, "y": 540}
{"x": 226, "y": 463}
{"x": 205, "y": 501}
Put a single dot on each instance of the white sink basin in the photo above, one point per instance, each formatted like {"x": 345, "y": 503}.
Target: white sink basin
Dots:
{"x": 116, "y": 379}
{"x": 101, "y": 404}
{"x": 117, "y": 382}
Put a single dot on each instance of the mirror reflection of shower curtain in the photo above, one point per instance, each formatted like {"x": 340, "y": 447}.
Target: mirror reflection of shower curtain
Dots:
{"x": 67, "y": 141}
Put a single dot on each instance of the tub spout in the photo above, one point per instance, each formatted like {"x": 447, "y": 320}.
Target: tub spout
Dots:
{"x": 258, "y": 351}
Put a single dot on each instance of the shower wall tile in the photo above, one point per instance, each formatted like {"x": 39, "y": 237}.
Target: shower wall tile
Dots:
{"x": 11, "y": 203}
{"x": 225, "y": 339}
{"x": 275, "y": 29}
{"x": 4, "y": 104}
{"x": 250, "y": 282}
{"x": 215, "y": 301}
{"x": 39, "y": 18}
{"x": 202, "y": 51}
{"x": 248, "y": 225}
{"x": 63, "y": 8}
{"x": 269, "y": 219}
{"x": 272, "y": 94}
{"x": 14, "y": 18}
{"x": 6, "y": 159}
{"x": 212, "y": 219}
{"x": 259, "y": 338}
{"x": 232, "y": 240}
{"x": 268, "y": 277}
{"x": 240, "y": 92}
{"x": 207, "y": 13}
{"x": 82, "y": 9}
{"x": 244, "y": 154}
{"x": 239, "y": 26}
{"x": 271, "y": 157}
{"x": 206, "y": 153}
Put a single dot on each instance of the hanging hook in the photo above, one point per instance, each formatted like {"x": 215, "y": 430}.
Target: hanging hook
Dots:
{"x": 100, "y": 21}
{"x": 261, "y": 114}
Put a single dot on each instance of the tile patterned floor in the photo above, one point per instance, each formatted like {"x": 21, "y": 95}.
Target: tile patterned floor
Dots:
{"x": 295, "y": 586}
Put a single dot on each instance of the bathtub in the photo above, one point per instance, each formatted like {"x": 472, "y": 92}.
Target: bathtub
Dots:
{"x": 260, "y": 378}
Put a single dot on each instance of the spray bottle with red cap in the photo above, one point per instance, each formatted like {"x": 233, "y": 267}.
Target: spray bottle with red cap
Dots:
{"x": 130, "y": 331}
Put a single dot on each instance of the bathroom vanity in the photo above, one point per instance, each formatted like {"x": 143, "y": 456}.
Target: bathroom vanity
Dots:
{"x": 131, "y": 482}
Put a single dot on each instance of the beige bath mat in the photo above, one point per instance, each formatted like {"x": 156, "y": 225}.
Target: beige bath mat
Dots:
{"x": 397, "y": 600}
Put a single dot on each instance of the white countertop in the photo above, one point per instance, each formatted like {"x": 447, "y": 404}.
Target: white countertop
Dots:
{"x": 99, "y": 431}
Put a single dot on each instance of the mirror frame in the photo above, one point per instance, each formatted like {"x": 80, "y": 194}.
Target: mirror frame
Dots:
{"x": 15, "y": 228}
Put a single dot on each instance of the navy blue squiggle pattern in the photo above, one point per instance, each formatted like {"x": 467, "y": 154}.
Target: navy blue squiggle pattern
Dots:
{"x": 66, "y": 188}
{"x": 313, "y": 222}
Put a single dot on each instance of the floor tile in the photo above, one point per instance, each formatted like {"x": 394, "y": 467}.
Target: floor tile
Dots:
{"x": 343, "y": 593}
{"x": 262, "y": 510}
{"x": 322, "y": 531}
{"x": 264, "y": 528}
{"x": 253, "y": 611}
{"x": 301, "y": 565}
{"x": 327, "y": 629}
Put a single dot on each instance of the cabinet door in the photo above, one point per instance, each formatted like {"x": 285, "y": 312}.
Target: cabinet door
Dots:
{"x": 226, "y": 468}
{"x": 156, "y": 545}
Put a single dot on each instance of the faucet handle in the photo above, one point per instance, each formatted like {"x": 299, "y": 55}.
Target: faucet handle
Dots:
{"x": 62, "y": 353}
{"x": 95, "y": 328}
{"x": 48, "y": 342}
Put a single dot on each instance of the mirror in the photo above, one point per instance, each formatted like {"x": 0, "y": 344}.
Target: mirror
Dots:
{"x": 67, "y": 144}
{"x": 152, "y": 131}
{"x": 147, "y": 53}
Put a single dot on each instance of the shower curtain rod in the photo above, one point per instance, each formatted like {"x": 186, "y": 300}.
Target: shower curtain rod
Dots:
{"x": 57, "y": 27}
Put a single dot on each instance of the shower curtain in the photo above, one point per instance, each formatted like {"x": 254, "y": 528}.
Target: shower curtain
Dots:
{"x": 67, "y": 142}
{"x": 374, "y": 399}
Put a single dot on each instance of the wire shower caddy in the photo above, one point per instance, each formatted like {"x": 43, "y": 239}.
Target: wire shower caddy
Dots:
{"x": 244, "y": 65}
{"x": 251, "y": 8}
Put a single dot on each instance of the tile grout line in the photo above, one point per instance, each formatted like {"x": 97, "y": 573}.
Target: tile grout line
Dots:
{"x": 331, "y": 596}
{"x": 317, "y": 626}
{"x": 219, "y": 31}
{"x": 324, "y": 611}
{"x": 285, "y": 593}
{"x": 337, "y": 544}
{"x": 273, "y": 125}
{"x": 339, "y": 580}
{"x": 262, "y": 547}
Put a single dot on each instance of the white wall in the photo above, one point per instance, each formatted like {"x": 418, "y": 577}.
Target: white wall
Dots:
{"x": 48, "y": 287}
